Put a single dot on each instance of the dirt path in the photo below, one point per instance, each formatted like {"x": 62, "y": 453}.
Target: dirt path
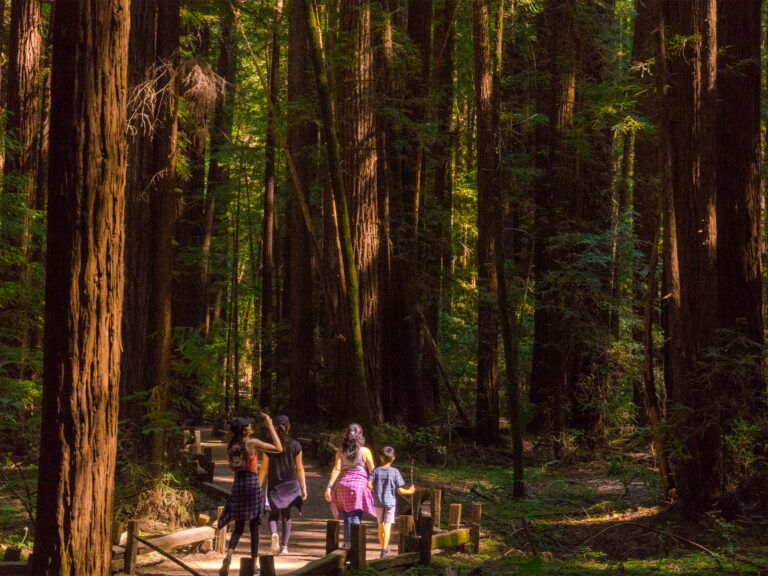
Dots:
{"x": 307, "y": 536}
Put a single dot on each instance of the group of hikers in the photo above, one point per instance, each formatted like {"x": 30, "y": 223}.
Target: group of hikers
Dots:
{"x": 355, "y": 487}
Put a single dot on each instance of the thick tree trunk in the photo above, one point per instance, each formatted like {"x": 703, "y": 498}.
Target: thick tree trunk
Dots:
{"x": 268, "y": 219}
{"x": 135, "y": 376}
{"x": 691, "y": 98}
{"x": 359, "y": 392}
{"x": 741, "y": 385}
{"x": 437, "y": 223}
{"x": 555, "y": 159}
{"x": 21, "y": 190}
{"x": 163, "y": 208}
{"x": 487, "y": 403}
{"x": 389, "y": 179}
{"x": 302, "y": 138}
{"x": 83, "y": 300}
{"x": 354, "y": 95}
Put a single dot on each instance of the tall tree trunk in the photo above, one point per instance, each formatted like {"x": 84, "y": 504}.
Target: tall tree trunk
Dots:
{"x": 163, "y": 206}
{"x": 741, "y": 389}
{"x": 354, "y": 95}
{"x": 691, "y": 98}
{"x": 189, "y": 284}
{"x": 437, "y": 224}
{"x": 218, "y": 194}
{"x": 268, "y": 219}
{"x": 189, "y": 291}
{"x": 359, "y": 390}
{"x": 135, "y": 375}
{"x": 21, "y": 193}
{"x": 555, "y": 159}
{"x": 487, "y": 406}
{"x": 84, "y": 289}
{"x": 302, "y": 138}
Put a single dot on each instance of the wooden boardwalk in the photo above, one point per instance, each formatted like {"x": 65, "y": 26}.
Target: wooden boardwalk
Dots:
{"x": 308, "y": 535}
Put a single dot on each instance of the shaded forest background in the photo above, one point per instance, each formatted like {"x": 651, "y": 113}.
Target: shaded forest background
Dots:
{"x": 506, "y": 220}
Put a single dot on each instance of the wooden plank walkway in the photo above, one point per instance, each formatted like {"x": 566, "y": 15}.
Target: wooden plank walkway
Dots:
{"x": 307, "y": 538}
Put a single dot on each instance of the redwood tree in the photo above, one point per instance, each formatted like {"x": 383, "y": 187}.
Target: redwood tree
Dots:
{"x": 487, "y": 406}
{"x": 83, "y": 298}
{"x": 691, "y": 100}
{"x": 741, "y": 383}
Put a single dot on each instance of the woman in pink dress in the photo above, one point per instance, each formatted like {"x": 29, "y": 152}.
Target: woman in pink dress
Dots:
{"x": 350, "y": 496}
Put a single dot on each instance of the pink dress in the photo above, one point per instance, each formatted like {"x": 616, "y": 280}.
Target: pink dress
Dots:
{"x": 351, "y": 490}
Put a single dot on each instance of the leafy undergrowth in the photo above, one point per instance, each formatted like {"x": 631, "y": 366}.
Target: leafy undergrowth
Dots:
{"x": 590, "y": 518}
{"x": 17, "y": 501}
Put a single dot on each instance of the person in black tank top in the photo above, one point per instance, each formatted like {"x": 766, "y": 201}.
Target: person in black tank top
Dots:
{"x": 286, "y": 484}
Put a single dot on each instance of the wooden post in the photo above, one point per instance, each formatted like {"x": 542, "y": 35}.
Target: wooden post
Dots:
{"x": 210, "y": 465}
{"x": 425, "y": 540}
{"x": 246, "y": 566}
{"x": 437, "y": 500}
{"x": 331, "y": 536}
{"x": 454, "y": 517}
{"x": 358, "y": 549}
{"x": 131, "y": 547}
{"x": 405, "y": 529}
{"x": 221, "y": 533}
{"x": 474, "y": 528}
{"x": 203, "y": 519}
{"x": 198, "y": 443}
{"x": 267, "y": 565}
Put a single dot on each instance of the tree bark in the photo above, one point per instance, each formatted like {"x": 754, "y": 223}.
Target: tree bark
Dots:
{"x": 268, "y": 219}
{"x": 135, "y": 375}
{"x": 354, "y": 95}
{"x": 163, "y": 209}
{"x": 691, "y": 98}
{"x": 437, "y": 225}
{"x": 487, "y": 402}
{"x": 21, "y": 190}
{"x": 83, "y": 300}
{"x": 554, "y": 158}
{"x": 359, "y": 389}
{"x": 741, "y": 385}
{"x": 302, "y": 138}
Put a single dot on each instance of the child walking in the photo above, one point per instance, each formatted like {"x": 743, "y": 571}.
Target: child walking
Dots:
{"x": 385, "y": 481}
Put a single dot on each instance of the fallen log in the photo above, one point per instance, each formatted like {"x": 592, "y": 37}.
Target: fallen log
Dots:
{"x": 333, "y": 563}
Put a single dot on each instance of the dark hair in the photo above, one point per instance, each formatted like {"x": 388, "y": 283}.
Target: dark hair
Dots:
{"x": 237, "y": 436}
{"x": 353, "y": 441}
{"x": 388, "y": 453}
{"x": 282, "y": 428}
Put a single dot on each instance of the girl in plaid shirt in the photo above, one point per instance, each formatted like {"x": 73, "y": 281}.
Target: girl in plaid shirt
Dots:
{"x": 244, "y": 503}
{"x": 350, "y": 495}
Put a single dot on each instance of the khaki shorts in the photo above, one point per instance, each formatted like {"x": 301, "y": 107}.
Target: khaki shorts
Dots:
{"x": 385, "y": 515}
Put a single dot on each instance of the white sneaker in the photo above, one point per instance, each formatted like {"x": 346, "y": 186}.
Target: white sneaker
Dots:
{"x": 285, "y": 550}
{"x": 275, "y": 545}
